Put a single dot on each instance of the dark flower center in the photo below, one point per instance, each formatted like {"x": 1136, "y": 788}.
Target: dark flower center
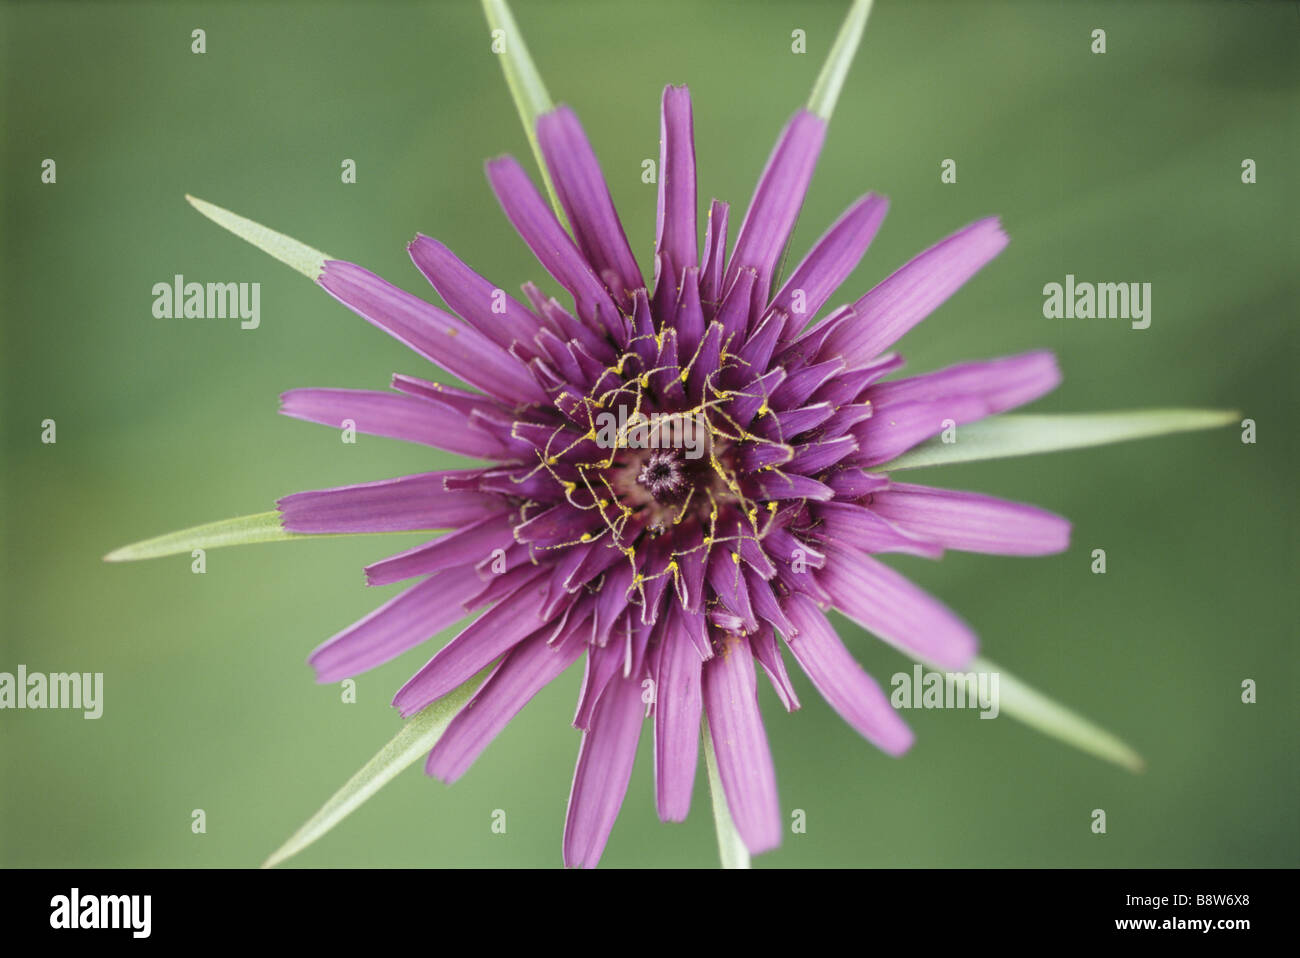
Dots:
{"x": 662, "y": 476}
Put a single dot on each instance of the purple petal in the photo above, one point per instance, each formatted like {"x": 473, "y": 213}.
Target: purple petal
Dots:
{"x": 740, "y": 745}
{"x": 971, "y": 522}
{"x": 402, "y": 622}
{"x": 677, "y": 707}
{"x": 530, "y": 667}
{"x": 409, "y": 418}
{"x": 844, "y": 685}
{"x": 688, "y": 319}
{"x": 803, "y": 382}
{"x": 850, "y": 482}
{"x": 538, "y": 227}
{"x": 784, "y": 546}
{"x": 888, "y": 605}
{"x": 603, "y": 663}
{"x": 461, "y": 350}
{"x": 495, "y": 632}
{"x": 777, "y": 199}
{"x": 913, "y": 292}
{"x": 728, "y": 584}
{"x": 786, "y": 425}
{"x": 500, "y": 317}
{"x": 1001, "y": 384}
{"x": 734, "y": 311}
{"x": 861, "y": 527}
{"x": 775, "y": 484}
{"x": 909, "y": 411}
{"x": 675, "y": 227}
{"x": 604, "y": 768}
{"x": 812, "y": 457}
{"x": 464, "y": 548}
{"x": 768, "y": 655}
{"x": 892, "y": 431}
{"x": 715, "y": 255}
{"x": 408, "y": 503}
{"x": 830, "y": 262}
{"x": 585, "y": 197}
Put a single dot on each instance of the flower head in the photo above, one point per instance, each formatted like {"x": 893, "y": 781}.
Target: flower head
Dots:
{"x": 680, "y": 470}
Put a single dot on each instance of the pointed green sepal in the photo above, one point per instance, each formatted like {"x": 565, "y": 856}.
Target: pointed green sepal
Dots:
{"x": 310, "y": 262}
{"x": 1001, "y": 437}
{"x": 1038, "y": 711}
{"x": 241, "y": 530}
{"x": 731, "y": 849}
{"x": 420, "y": 734}
{"x": 526, "y": 86}
{"x": 831, "y": 79}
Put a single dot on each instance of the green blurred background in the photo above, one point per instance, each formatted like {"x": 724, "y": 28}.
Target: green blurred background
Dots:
{"x": 1116, "y": 167}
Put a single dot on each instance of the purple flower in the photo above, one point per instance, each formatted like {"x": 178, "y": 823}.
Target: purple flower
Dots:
{"x": 679, "y": 469}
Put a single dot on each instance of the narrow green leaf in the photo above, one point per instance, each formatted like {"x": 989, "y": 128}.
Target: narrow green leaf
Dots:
{"x": 731, "y": 850}
{"x": 526, "y": 86}
{"x": 262, "y": 527}
{"x": 310, "y": 262}
{"x": 1027, "y": 434}
{"x": 831, "y": 79}
{"x": 416, "y": 738}
{"x": 1038, "y": 711}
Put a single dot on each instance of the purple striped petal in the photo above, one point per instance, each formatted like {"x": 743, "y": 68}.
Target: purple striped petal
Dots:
{"x": 409, "y": 503}
{"x": 912, "y": 410}
{"x": 401, "y": 623}
{"x": 842, "y": 682}
{"x": 777, "y": 199}
{"x": 888, "y": 605}
{"x": 728, "y": 582}
{"x": 775, "y": 484}
{"x": 585, "y": 197}
{"x": 715, "y": 255}
{"x": 603, "y": 663}
{"x": 972, "y": 522}
{"x": 1001, "y": 384}
{"x": 913, "y": 292}
{"x": 395, "y": 416}
{"x": 495, "y": 632}
{"x": 813, "y": 457}
{"x": 538, "y": 227}
{"x": 830, "y": 262}
{"x": 892, "y": 431}
{"x": 677, "y": 708}
{"x": 605, "y": 761}
{"x": 530, "y": 667}
{"x": 675, "y": 230}
{"x": 464, "y": 548}
{"x": 863, "y": 529}
{"x": 461, "y": 350}
{"x": 768, "y": 654}
{"x": 850, "y": 482}
{"x": 499, "y": 317}
{"x": 740, "y": 745}
{"x": 688, "y": 321}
